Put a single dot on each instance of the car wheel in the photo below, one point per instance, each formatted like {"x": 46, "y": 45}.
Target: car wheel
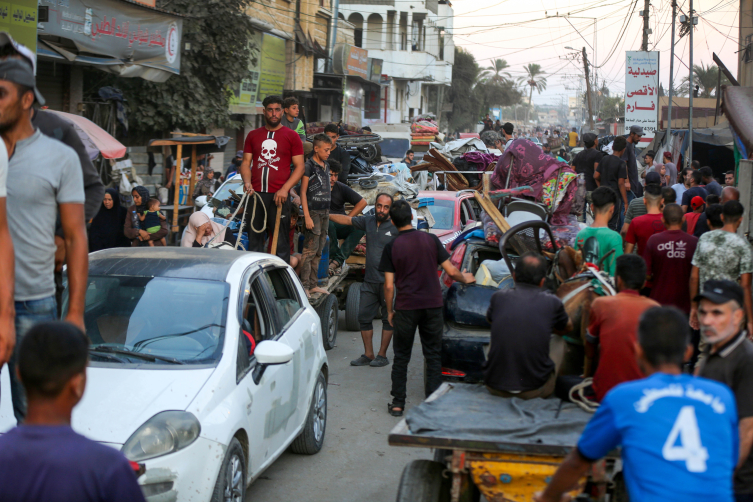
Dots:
{"x": 327, "y": 311}
{"x": 311, "y": 438}
{"x": 422, "y": 481}
{"x": 352, "y": 303}
{"x": 231, "y": 482}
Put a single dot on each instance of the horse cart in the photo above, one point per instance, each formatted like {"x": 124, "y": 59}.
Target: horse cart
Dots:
{"x": 503, "y": 449}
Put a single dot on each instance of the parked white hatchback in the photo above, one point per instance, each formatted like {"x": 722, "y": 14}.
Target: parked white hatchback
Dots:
{"x": 205, "y": 366}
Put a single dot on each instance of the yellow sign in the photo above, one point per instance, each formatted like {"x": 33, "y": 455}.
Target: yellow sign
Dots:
{"x": 243, "y": 100}
{"x": 19, "y": 18}
{"x": 272, "y": 76}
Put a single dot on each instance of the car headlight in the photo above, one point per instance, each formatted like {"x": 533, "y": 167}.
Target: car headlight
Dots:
{"x": 164, "y": 433}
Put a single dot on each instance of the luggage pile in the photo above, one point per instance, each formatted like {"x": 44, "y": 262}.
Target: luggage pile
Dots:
{"x": 423, "y": 130}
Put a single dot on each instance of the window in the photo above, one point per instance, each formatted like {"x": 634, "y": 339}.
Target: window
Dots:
{"x": 255, "y": 325}
{"x": 284, "y": 302}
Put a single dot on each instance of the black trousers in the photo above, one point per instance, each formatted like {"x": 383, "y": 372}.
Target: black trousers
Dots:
{"x": 430, "y": 324}
{"x": 257, "y": 241}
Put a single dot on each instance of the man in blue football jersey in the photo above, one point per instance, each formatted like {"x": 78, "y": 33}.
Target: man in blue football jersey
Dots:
{"x": 678, "y": 432}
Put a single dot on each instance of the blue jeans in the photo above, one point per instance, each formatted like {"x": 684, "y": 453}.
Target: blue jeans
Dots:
{"x": 28, "y": 314}
{"x": 630, "y": 196}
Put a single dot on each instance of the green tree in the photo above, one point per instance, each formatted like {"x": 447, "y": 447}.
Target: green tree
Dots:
{"x": 466, "y": 104}
{"x": 497, "y": 71}
{"x": 198, "y": 98}
{"x": 534, "y": 79}
{"x": 705, "y": 77}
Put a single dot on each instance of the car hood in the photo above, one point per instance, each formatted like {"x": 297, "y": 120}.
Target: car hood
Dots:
{"x": 118, "y": 401}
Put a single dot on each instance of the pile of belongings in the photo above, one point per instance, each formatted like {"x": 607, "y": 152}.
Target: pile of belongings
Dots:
{"x": 423, "y": 130}
{"x": 553, "y": 183}
{"x": 459, "y": 147}
{"x": 434, "y": 161}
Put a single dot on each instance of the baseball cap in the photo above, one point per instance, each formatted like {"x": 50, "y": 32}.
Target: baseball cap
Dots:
{"x": 721, "y": 291}
{"x": 508, "y": 127}
{"x": 24, "y": 51}
{"x": 653, "y": 178}
{"x": 589, "y": 137}
{"x": 19, "y": 72}
{"x": 637, "y": 130}
{"x": 696, "y": 202}
{"x": 668, "y": 155}
{"x": 239, "y": 153}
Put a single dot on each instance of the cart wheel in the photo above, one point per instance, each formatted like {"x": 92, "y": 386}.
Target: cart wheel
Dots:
{"x": 327, "y": 311}
{"x": 352, "y": 303}
{"x": 422, "y": 481}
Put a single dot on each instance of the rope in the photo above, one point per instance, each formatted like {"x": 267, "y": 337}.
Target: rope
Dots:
{"x": 243, "y": 202}
{"x": 582, "y": 401}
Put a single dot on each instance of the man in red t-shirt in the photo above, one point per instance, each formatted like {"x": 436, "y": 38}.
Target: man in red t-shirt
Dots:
{"x": 614, "y": 326}
{"x": 268, "y": 154}
{"x": 643, "y": 227}
{"x": 668, "y": 258}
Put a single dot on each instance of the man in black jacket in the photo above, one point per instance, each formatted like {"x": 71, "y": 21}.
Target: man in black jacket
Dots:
{"x": 338, "y": 153}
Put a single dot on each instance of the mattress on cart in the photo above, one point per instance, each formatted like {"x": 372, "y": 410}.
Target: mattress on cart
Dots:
{"x": 470, "y": 412}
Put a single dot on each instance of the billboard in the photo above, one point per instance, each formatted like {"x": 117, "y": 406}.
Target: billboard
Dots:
{"x": 243, "y": 100}
{"x": 642, "y": 92}
{"x": 272, "y": 67}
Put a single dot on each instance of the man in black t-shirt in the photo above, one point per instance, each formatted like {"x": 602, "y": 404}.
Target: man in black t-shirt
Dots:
{"x": 338, "y": 152}
{"x": 419, "y": 300}
{"x": 340, "y": 194}
{"x": 694, "y": 190}
{"x": 587, "y": 161}
{"x": 612, "y": 172}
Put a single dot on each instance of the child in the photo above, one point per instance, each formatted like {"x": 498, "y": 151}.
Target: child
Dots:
{"x": 598, "y": 240}
{"x": 150, "y": 219}
{"x": 290, "y": 117}
{"x": 315, "y": 197}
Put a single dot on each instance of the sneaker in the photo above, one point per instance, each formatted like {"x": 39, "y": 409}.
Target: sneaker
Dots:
{"x": 379, "y": 361}
{"x": 361, "y": 361}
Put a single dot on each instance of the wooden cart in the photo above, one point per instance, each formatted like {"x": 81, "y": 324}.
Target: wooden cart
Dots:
{"x": 463, "y": 469}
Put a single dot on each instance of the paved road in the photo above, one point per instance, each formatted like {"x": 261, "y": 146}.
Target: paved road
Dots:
{"x": 356, "y": 463}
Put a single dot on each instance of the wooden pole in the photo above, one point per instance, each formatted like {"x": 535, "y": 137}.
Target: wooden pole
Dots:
{"x": 192, "y": 183}
{"x": 176, "y": 199}
{"x": 273, "y": 248}
{"x": 487, "y": 179}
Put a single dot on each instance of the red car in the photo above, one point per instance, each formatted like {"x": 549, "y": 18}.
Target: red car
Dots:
{"x": 451, "y": 211}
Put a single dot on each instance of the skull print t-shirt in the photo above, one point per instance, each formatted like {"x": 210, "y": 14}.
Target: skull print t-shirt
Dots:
{"x": 272, "y": 152}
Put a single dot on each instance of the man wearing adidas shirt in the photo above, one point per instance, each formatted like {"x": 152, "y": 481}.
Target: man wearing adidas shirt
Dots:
{"x": 268, "y": 154}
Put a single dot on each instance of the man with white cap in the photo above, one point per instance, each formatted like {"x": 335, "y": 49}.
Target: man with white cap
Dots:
{"x": 44, "y": 181}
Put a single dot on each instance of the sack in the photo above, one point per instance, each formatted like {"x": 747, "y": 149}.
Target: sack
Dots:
{"x": 162, "y": 191}
{"x": 492, "y": 233}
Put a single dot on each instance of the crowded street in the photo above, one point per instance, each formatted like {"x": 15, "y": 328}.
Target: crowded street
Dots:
{"x": 325, "y": 251}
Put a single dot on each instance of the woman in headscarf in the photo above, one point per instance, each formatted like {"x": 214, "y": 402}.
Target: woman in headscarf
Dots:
{"x": 206, "y": 185}
{"x": 106, "y": 230}
{"x": 140, "y": 237}
{"x": 200, "y": 230}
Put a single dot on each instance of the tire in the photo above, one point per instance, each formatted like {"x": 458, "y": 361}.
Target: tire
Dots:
{"x": 311, "y": 438}
{"x": 352, "y": 303}
{"x": 328, "y": 313}
{"x": 231, "y": 481}
{"x": 422, "y": 481}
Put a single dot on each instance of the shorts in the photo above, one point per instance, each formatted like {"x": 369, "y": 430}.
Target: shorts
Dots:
{"x": 153, "y": 230}
{"x": 372, "y": 298}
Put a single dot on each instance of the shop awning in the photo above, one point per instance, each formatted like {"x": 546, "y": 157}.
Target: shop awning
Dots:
{"x": 119, "y": 36}
{"x": 738, "y": 107}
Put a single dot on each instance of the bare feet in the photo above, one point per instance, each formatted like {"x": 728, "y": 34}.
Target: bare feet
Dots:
{"x": 319, "y": 290}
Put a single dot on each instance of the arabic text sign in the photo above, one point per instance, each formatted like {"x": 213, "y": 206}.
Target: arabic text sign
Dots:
{"x": 19, "y": 18}
{"x": 118, "y": 30}
{"x": 272, "y": 77}
{"x": 642, "y": 92}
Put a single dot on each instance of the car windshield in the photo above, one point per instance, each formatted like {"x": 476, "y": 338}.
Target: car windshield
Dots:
{"x": 224, "y": 192}
{"x": 443, "y": 212}
{"x": 155, "y": 320}
{"x": 394, "y": 148}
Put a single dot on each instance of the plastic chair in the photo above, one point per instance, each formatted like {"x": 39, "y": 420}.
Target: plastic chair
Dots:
{"x": 523, "y": 238}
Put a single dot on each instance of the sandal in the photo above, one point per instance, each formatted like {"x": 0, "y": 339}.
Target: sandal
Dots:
{"x": 395, "y": 410}
{"x": 334, "y": 268}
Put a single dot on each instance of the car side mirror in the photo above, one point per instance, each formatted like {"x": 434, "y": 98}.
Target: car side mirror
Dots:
{"x": 268, "y": 353}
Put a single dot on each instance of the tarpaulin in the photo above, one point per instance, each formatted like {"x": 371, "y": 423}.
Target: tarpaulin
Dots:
{"x": 738, "y": 107}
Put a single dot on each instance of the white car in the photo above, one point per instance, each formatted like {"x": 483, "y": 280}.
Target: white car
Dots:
{"x": 171, "y": 382}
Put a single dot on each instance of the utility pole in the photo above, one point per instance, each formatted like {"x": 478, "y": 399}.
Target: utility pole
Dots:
{"x": 690, "y": 87}
{"x": 644, "y": 45}
{"x": 588, "y": 91}
{"x": 671, "y": 73}
{"x": 333, "y": 37}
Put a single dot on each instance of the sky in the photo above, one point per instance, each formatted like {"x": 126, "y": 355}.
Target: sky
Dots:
{"x": 521, "y": 33}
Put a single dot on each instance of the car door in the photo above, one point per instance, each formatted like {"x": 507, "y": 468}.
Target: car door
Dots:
{"x": 268, "y": 403}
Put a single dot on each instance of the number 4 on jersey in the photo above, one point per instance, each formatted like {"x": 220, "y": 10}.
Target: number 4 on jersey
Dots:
{"x": 690, "y": 448}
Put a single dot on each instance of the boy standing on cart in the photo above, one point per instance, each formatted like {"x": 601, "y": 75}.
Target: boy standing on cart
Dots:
{"x": 267, "y": 155}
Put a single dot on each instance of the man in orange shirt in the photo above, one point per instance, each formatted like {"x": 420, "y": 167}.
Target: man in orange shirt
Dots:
{"x": 614, "y": 326}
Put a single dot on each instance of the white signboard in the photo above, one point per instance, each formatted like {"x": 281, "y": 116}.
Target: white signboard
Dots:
{"x": 642, "y": 92}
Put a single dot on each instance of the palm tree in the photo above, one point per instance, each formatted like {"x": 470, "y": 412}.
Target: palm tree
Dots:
{"x": 533, "y": 79}
{"x": 496, "y": 72}
{"x": 705, "y": 77}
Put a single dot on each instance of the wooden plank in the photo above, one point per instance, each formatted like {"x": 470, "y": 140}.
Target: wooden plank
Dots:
{"x": 487, "y": 183}
{"x": 332, "y": 283}
{"x": 356, "y": 259}
{"x": 192, "y": 183}
{"x": 177, "y": 188}
{"x": 171, "y": 142}
{"x": 488, "y": 206}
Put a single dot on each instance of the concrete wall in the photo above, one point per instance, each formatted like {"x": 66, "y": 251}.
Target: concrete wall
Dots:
{"x": 745, "y": 70}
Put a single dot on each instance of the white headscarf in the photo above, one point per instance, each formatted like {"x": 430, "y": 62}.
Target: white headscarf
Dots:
{"x": 196, "y": 220}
